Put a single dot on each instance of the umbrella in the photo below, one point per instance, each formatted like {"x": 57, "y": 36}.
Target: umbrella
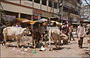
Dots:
{"x": 42, "y": 20}
{"x": 33, "y": 22}
{"x": 56, "y": 22}
{"x": 23, "y": 20}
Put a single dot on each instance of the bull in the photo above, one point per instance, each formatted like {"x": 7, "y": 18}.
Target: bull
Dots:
{"x": 55, "y": 35}
{"x": 13, "y": 32}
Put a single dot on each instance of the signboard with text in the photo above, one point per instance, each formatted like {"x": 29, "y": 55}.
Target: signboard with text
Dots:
{"x": 37, "y": 14}
{"x": 9, "y": 17}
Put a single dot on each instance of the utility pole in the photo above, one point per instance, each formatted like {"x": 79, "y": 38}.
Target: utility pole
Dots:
{"x": 60, "y": 6}
{"x": 0, "y": 12}
{"x": 19, "y": 14}
{"x": 61, "y": 9}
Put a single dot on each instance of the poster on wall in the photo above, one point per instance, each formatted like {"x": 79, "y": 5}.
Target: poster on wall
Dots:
{"x": 64, "y": 17}
{"x": 37, "y": 14}
{"x": 36, "y": 17}
{"x": 9, "y": 17}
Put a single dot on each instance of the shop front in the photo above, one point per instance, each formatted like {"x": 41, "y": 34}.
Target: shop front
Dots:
{"x": 75, "y": 18}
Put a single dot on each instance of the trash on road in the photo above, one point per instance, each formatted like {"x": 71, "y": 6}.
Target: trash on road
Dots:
{"x": 34, "y": 52}
{"x": 42, "y": 48}
{"x": 25, "y": 49}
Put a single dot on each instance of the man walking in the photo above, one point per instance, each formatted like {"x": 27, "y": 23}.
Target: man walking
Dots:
{"x": 81, "y": 34}
{"x": 70, "y": 31}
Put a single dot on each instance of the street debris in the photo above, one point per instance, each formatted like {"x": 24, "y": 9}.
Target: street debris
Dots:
{"x": 34, "y": 52}
{"x": 42, "y": 48}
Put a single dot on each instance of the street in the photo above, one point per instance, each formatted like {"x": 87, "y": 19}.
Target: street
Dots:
{"x": 34, "y": 25}
{"x": 70, "y": 50}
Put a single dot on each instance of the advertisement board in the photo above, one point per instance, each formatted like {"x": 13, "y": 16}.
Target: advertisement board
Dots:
{"x": 37, "y": 14}
{"x": 9, "y": 17}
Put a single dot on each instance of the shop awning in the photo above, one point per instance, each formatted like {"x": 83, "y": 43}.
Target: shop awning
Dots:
{"x": 58, "y": 23}
{"x": 86, "y": 21}
{"x": 24, "y": 20}
{"x": 73, "y": 15}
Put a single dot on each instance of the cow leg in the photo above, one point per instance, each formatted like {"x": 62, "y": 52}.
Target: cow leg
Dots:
{"x": 56, "y": 44}
{"x": 50, "y": 48}
{"x": 18, "y": 41}
{"x": 5, "y": 43}
{"x": 59, "y": 43}
{"x": 5, "y": 39}
{"x": 34, "y": 43}
{"x": 50, "y": 40}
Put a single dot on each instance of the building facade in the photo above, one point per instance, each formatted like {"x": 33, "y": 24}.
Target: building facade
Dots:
{"x": 70, "y": 10}
{"x": 35, "y": 9}
{"x": 85, "y": 11}
{"x": 31, "y": 9}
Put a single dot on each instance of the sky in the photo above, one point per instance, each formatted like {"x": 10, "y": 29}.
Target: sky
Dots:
{"x": 84, "y": 3}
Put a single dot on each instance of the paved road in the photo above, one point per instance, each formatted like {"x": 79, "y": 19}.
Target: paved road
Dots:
{"x": 67, "y": 51}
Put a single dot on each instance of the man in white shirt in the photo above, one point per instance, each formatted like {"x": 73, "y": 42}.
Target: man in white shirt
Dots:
{"x": 81, "y": 33}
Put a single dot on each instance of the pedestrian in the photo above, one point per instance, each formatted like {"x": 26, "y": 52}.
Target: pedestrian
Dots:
{"x": 65, "y": 29}
{"x": 81, "y": 33}
{"x": 70, "y": 32}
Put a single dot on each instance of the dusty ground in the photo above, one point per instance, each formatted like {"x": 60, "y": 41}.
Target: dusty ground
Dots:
{"x": 67, "y": 51}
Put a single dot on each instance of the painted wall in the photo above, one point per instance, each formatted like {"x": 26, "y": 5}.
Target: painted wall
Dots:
{"x": 14, "y": 8}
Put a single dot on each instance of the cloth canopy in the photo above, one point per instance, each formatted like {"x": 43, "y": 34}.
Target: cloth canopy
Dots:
{"x": 24, "y": 20}
{"x": 56, "y": 22}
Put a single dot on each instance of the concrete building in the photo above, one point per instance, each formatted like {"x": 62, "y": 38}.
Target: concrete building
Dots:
{"x": 71, "y": 10}
{"x": 85, "y": 11}
{"x": 31, "y": 9}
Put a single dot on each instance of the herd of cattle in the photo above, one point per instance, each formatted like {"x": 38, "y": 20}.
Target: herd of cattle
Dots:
{"x": 17, "y": 33}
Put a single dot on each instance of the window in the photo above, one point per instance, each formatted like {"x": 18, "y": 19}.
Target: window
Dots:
{"x": 37, "y": 1}
{"x": 55, "y": 5}
{"x": 29, "y": 0}
{"x": 44, "y": 2}
{"x": 50, "y": 3}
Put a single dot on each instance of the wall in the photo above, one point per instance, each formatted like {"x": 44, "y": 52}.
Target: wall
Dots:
{"x": 14, "y": 8}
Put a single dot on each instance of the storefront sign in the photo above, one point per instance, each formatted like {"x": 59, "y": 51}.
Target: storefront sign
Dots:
{"x": 36, "y": 17}
{"x": 37, "y": 14}
{"x": 64, "y": 17}
{"x": 9, "y": 17}
{"x": 73, "y": 15}
{"x": 45, "y": 14}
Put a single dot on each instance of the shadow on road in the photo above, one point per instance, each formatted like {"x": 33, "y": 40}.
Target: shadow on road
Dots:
{"x": 20, "y": 46}
{"x": 61, "y": 48}
{"x": 58, "y": 48}
{"x": 84, "y": 47}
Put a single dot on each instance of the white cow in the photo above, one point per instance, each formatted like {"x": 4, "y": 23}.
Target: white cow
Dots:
{"x": 56, "y": 36}
{"x": 13, "y": 32}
